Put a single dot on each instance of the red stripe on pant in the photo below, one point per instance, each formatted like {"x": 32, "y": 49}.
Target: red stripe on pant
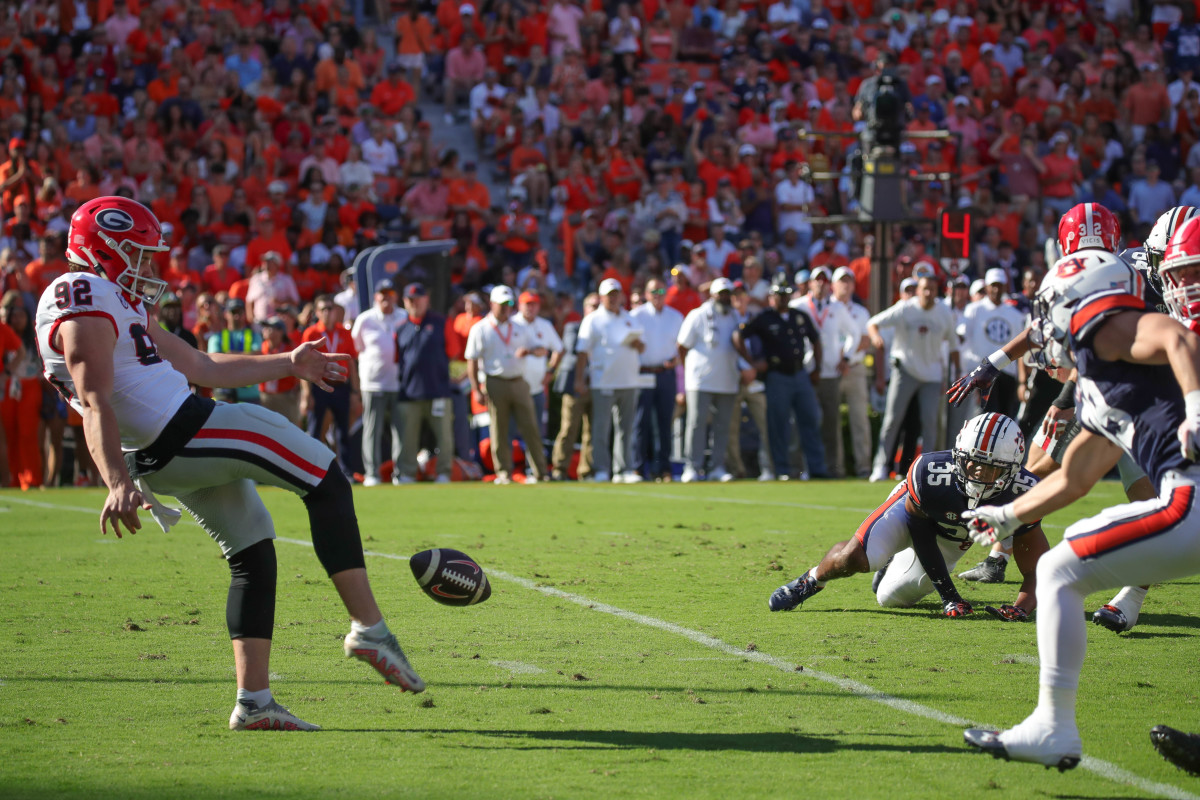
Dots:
{"x": 864, "y": 530}
{"x": 263, "y": 441}
{"x": 1134, "y": 529}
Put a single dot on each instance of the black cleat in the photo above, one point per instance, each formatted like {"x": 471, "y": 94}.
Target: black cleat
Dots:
{"x": 1179, "y": 748}
{"x": 879, "y": 575}
{"x": 990, "y": 570}
{"x": 792, "y": 595}
{"x": 1111, "y": 617}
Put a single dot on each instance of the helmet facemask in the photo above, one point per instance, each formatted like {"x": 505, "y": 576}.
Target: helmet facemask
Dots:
{"x": 138, "y": 276}
{"x": 981, "y": 477}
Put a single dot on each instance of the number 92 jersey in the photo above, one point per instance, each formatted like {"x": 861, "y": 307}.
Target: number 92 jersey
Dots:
{"x": 933, "y": 488}
{"x": 147, "y": 391}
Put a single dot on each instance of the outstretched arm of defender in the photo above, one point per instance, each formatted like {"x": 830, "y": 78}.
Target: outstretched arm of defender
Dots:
{"x": 231, "y": 370}
{"x": 984, "y": 375}
{"x": 87, "y": 344}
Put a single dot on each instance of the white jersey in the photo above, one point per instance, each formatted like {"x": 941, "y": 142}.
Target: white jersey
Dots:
{"x": 147, "y": 391}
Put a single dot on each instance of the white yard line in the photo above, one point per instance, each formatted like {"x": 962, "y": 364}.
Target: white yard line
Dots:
{"x": 1103, "y": 768}
{"x": 518, "y": 667}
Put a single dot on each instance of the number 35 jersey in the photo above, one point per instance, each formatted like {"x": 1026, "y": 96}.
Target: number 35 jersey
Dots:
{"x": 147, "y": 391}
{"x": 933, "y": 488}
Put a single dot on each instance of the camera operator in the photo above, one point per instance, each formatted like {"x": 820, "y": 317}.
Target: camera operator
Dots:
{"x": 884, "y": 91}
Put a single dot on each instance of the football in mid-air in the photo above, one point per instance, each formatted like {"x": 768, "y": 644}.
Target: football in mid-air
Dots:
{"x": 450, "y": 577}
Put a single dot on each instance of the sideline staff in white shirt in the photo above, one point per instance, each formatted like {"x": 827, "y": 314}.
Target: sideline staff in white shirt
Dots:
{"x": 985, "y": 324}
{"x": 494, "y": 352}
{"x": 543, "y": 341}
{"x": 921, "y": 324}
{"x": 656, "y": 402}
{"x": 608, "y": 346}
{"x": 374, "y": 335}
{"x": 711, "y": 379}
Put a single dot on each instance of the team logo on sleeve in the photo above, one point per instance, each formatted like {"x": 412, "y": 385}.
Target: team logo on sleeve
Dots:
{"x": 114, "y": 219}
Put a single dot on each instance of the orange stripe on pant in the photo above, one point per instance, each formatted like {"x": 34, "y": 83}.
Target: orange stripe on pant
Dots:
{"x": 1132, "y": 530}
{"x": 864, "y": 530}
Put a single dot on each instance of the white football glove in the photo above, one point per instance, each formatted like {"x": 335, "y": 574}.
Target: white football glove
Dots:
{"x": 987, "y": 525}
{"x": 1189, "y": 429}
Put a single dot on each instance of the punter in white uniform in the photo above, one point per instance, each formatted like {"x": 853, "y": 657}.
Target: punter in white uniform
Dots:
{"x": 150, "y": 435}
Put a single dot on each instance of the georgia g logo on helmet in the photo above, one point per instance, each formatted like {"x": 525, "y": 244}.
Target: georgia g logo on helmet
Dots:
{"x": 116, "y": 220}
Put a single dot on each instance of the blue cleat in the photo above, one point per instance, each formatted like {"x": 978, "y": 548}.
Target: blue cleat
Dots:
{"x": 792, "y": 595}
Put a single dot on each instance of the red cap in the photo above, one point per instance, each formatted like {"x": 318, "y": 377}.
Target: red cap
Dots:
{"x": 530, "y": 297}
{"x": 16, "y": 141}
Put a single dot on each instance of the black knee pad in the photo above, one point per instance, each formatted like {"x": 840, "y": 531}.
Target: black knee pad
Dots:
{"x": 334, "y": 525}
{"x": 250, "y": 608}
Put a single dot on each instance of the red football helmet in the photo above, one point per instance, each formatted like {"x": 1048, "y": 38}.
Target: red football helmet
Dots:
{"x": 1180, "y": 271}
{"x": 1089, "y": 225}
{"x": 116, "y": 238}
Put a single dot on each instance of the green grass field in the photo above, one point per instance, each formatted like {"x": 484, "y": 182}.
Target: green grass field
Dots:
{"x": 626, "y": 651}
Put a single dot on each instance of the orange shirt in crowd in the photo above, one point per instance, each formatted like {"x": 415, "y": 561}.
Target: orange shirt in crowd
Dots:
{"x": 337, "y": 339}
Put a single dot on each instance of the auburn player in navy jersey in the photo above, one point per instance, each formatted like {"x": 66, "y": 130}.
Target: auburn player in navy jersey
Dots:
{"x": 1139, "y": 392}
{"x": 922, "y": 525}
{"x": 1088, "y": 227}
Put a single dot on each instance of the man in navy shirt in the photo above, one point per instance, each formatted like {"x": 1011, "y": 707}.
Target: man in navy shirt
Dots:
{"x": 424, "y": 383}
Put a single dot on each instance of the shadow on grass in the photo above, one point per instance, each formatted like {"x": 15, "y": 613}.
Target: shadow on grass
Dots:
{"x": 762, "y": 742}
{"x": 291, "y": 687}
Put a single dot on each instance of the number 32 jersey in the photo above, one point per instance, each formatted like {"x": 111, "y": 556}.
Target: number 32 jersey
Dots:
{"x": 934, "y": 490}
{"x": 147, "y": 391}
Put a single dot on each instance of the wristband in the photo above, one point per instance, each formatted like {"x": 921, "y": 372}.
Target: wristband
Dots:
{"x": 999, "y": 359}
{"x": 1191, "y": 402}
{"x": 1066, "y": 398}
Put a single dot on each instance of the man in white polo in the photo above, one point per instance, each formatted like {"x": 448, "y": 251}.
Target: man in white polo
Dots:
{"x": 711, "y": 380}
{"x": 921, "y": 324}
{"x": 656, "y": 402}
{"x": 609, "y": 343}
{"x": 834, "y": 324}
{"x": 544, "y": 342}
{"x": 495, "y": 352}
{"x": 985, "y": 322}
{"x": 374, "y": 335}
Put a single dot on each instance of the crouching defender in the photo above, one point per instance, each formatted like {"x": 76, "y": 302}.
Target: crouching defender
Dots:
{"x": 148, "y": 433}
{"x": 920, "y": 528}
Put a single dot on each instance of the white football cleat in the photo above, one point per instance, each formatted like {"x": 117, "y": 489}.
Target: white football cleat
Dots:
{"x": 531, "y": 480}
{"x": 371, "y": 480}
{"x": 629, "y": 476}
{"x": 247, "y": 716}
{"x": 766, "y": 475}
{"x": 877, "y": 476}
{"x": 1032, "y": 741}
{"x": 720, "y": 475}
{"x": 387, "y": 658}
{"x": 689, "y": 476}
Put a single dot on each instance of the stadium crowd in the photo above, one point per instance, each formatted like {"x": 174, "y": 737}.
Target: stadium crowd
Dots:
{"x": 656, "y": 156}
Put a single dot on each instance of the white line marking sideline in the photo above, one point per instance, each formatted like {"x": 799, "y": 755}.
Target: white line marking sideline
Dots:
{"x": 1102, "y": 768}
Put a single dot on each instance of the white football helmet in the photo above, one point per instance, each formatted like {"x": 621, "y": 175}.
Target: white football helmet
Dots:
{"x": 1077, "y": 291}
{"x": 988, "y": 454}
{"x": 1180, "y": 288}
{"x": 1160, "y": 236}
